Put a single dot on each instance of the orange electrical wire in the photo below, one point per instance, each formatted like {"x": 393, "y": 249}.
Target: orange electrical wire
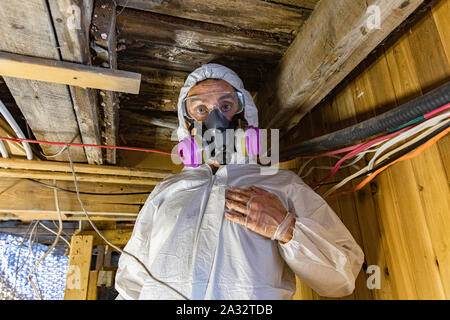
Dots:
{"x": 410, "y": 155}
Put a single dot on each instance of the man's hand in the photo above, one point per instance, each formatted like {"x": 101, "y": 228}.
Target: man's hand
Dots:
{"x": 258, "y": 210}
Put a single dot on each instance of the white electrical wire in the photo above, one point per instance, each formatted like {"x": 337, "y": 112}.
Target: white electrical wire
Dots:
{"x": 54, "y": 232}
{"x": 9, "y": 118}
{"x": 352, "y": 164}
{"x": 384, "y": 157}
{"x": 55, "y": 192}
{"x": 3, "y": 150}
{"x": 106, "y": 240}
{"x": 404, "y": 135}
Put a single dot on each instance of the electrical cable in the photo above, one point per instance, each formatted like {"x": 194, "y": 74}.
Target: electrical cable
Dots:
{"x": 355, "y": 152}
{"x": 55, "y": 192}
{"x": 106, "y": 240}
{"x": 364, "y": 171}
{"x": 371, "y": 127}
{"x": 394, "y": 139}
{"x": 60, "y": 151}
{"x": 86, "y": 193}
{"x": 54, "y": 232}
{"x": 405, "y": 135}
{"x": 352, "y": 164}
{"x": 409, "y": 153}
{"x": 86, "y": 145}
{"x": 415, "y": 149}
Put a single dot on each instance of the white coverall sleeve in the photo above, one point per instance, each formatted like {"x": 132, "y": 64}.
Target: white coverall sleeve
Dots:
{"x": 322, "y": 252}
{"x": 130, "y": 276}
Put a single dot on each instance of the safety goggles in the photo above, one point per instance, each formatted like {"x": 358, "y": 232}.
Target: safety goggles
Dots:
{"x": 198, "y": 107}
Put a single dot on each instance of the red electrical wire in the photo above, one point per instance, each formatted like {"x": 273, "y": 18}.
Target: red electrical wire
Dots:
{"x": 330, "y": 153}
{"x": 359, "y": 149}
{"x": 408, "y": 156}
{"x": 439, "y": 110}
{"x": 85, "y": 145}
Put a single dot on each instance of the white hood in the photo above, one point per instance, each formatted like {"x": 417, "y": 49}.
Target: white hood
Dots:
{"x": 215, "y": 71}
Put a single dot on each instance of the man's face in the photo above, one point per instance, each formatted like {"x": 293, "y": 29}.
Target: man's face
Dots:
{"x": 209, "y": 95}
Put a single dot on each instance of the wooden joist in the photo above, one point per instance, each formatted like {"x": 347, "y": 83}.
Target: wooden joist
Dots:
{"x": 71, "y": 20}
{"x": 86, "y": 177}
{"x": 251, "y": 14}
{"x": 30, "y": 215}
{"x": 27, "y": 29}
{"x": 334, "y": 40}
{"x": 22, "y": 199}
{"x": 53, "y": 71}
{"x": 103, "y": 34}
{"x": 53, "y": 166}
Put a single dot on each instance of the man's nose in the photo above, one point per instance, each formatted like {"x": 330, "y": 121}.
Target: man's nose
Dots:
{"x": 212, "y": 107}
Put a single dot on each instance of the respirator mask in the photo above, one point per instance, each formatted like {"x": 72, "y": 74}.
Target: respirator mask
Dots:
{"x": 211, "y": 115}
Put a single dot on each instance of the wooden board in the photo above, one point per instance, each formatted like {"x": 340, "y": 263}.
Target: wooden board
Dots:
{"x": 82, "y": 168}
{"x": 117, "y": 237}
{"x": 79, "y": 266}
{"x": 71, "y": 21}
{"x": 92, "y": 285}
{"x": 27, "y": 29}
{"x": 327, "y": 48}
{"x": 103, "y": 34}
{"x": 53, "y": 71}
{"x": 251, "y": 14}
{"x": 40, "y": 202}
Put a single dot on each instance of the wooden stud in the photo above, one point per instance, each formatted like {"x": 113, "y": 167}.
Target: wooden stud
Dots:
{"x": 92, "y": 285}
{"x": 79, "y": 267}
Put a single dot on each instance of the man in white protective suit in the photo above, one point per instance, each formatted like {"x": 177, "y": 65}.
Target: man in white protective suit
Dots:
{"x": 227, "y": 231}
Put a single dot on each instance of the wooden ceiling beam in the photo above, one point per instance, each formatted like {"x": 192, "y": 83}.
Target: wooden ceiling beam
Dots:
{"x": 250, "y": 14}
{"x": 103, "y": 33}
{"x": 27, "y": 29}
{"x": 54, "y": 166}
{"x": 334, "y": 40}
{"x": 71, "y": 20}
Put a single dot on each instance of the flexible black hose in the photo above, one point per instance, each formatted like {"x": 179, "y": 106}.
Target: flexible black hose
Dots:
{"x": 369, "y": 128}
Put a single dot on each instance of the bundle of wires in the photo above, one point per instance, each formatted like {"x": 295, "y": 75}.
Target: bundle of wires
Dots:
{"x": 402, "y": 143}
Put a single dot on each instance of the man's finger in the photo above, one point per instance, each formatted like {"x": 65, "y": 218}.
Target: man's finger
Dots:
{"x": 231, "y": 195}
{"x": 244, "y": 192}
{"x": 259, "y": 190}
{"x": 236, "y": 206}
{"x": 237, "y": 218}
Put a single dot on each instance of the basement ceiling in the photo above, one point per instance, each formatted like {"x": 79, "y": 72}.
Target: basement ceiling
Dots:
{"x": 166, "y": 42}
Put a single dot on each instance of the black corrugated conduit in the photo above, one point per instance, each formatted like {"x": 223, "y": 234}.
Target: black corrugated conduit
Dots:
{"x": 380, "y": 124}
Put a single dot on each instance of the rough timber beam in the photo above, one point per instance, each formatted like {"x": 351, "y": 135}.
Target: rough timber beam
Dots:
{"x": 26, "y": 29}
{"x": 71, "y": 20}
{"x": 103, "y": 34}
{"x": 336, "y": 38}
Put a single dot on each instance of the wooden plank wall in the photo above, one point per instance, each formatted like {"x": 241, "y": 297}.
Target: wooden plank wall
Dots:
{"x": 402, "y": 219}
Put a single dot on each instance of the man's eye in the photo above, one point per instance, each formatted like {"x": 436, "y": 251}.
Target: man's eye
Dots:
{"x": 227, "y": 107}
{"x": 200, "y": 110}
